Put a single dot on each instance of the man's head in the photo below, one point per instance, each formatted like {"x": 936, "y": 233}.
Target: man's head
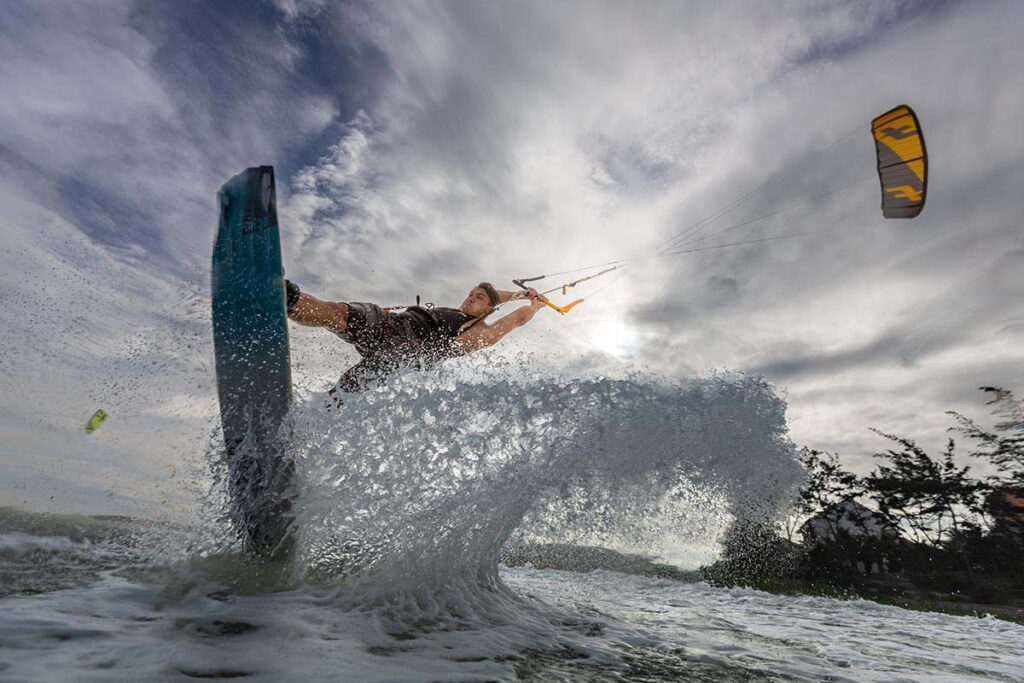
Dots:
{"x": 481, "y": 300}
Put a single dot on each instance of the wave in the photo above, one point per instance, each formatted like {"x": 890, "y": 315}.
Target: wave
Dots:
{"x": 415, "y": 486}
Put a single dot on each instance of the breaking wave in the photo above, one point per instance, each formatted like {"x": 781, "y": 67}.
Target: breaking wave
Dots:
{"x": 417, "y": 485}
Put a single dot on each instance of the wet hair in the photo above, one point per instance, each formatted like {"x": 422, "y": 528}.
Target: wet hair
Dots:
{"x": 492, "y": 293}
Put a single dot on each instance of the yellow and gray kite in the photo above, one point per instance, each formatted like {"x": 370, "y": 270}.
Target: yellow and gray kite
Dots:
{"x": 902, "y": 162}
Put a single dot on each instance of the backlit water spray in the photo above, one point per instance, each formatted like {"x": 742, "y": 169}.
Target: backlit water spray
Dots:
{"x": 418, "y": 484}
{"x": 408, "y": 496}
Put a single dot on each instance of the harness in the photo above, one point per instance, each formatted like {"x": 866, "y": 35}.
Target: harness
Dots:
{"x": 435, "y": 328}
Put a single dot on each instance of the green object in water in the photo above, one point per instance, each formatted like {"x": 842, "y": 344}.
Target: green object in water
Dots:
{"x": 95, "y": 421}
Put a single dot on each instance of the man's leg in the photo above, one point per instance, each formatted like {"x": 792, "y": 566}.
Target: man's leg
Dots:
{"x": 313, "y": 312}
{"x": 360, "y": 377}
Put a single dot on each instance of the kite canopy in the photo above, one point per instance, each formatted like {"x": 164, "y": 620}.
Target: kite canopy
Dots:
{"x": 95, "y": 421}
{"x": 902, "y": 162}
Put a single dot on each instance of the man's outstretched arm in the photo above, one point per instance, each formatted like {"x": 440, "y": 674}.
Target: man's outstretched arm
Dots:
{"x": 306, "y": 309}
{"x": 505, "y": 295}
{"x": 481, "y": 335}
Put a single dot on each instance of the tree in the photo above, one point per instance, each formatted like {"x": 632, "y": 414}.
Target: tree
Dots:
{"x": 826, "y": 484}
{"x": 936, "y": 501}
{"x": 1004, "y": 445}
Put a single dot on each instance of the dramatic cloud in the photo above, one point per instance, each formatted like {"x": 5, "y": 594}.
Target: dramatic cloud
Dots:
{"x": 421, "y": 147}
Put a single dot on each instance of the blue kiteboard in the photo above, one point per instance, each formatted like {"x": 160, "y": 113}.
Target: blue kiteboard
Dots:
{"x": 250, "y": 341}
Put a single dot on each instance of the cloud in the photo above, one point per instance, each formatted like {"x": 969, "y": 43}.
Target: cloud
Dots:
{"x": 423, "y": 147}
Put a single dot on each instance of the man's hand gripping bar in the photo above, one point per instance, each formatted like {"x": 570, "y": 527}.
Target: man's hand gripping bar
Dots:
{"x": 561, "y": 309}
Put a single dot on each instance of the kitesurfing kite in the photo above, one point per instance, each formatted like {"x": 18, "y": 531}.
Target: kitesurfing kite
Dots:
{"x": 95, "y": 421}
{"x": 902, "y": 162}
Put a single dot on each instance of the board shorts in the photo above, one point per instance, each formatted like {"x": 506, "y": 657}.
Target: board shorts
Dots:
{"x": 384, "y": 342}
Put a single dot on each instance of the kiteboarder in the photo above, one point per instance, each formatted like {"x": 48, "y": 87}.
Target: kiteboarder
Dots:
{"x": 411, "y": 336}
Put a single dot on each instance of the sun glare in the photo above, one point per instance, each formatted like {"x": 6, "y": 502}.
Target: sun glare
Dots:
{"x": 615, "y": 338}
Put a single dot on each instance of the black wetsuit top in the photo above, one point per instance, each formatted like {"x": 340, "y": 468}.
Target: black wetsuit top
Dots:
{"x": 434, "y": 328}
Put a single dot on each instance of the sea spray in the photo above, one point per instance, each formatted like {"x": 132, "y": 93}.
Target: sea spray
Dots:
{"x": 418, "y": 483}
{"x": 401, "y": 511}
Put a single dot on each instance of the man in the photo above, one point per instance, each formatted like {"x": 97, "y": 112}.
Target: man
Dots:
{"x": 415, "y": 336}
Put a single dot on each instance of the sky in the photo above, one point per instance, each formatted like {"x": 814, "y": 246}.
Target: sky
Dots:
{"x": 421, "y": 147}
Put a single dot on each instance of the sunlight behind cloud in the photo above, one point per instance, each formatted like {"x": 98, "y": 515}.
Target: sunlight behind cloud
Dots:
{"x": 615, "y": 338}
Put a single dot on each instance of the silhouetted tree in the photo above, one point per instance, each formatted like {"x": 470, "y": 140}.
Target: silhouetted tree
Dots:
{"x": 834, "y": 532}
{"x": 933, "y": 499}
{"x": 1003, "y": 446}
{"x": 826, "y": 484}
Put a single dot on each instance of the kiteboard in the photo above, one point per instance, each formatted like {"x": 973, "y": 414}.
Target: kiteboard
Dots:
{"x": 250, "y": 341}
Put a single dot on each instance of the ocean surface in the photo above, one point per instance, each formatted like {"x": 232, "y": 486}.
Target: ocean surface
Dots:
{"x": 403, "y": 511}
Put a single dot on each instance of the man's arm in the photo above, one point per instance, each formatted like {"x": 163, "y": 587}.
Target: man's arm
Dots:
{"x": 481, "y": 335}
{"x": 306, "y": 309}
{"x": 505, "y": 296}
